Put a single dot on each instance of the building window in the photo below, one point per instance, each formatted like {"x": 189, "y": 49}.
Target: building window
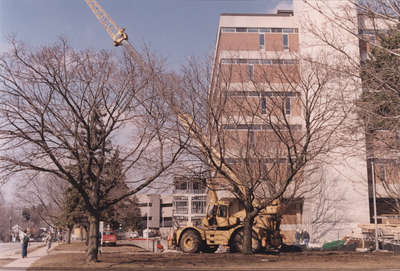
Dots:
{"x": 259, "y": 61}
{"x": 287, "y": 106}
{"x": 276, "y": 30}
{"x": 260, "y": 29}
{"x": 251, "y": 139}
{"x": 199, "y": 205}
{"x": 228, "y": 29}
{"x": 261, "y": 41}
{"x": 251, "y": 72}
{"x": 181, "y": 205}
{"x": 288, "y": 30}
{"x": 181, "y": 185}
{"x": 381, "y": 173}
{"x": 285, "y": 41}
{"x": 264, "y": 29}
{"x": 263, "y": 105}
{"x": 198, "y": 187}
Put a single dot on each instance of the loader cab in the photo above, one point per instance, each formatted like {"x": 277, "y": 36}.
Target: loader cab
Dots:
{"x": 218, "y": 216}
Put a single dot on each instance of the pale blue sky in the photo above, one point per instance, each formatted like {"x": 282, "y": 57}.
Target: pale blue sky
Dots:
{"x": 175, "y": 29}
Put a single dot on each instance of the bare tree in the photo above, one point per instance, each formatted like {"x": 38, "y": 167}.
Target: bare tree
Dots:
{"x": 77, "y": 115}
{"x": 262, "y": 134}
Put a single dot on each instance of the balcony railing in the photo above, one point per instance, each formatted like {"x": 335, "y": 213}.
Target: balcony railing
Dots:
{"x": 189, "y": 191}
{"x": 181, "y": 210}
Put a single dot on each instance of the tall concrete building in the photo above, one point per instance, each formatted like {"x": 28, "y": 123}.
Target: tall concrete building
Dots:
{"x": 280, "y": 47}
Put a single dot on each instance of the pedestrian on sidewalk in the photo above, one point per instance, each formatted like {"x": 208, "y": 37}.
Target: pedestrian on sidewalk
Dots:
{"x": 99, "y": 242}
{"x": 24, "y": 244}
{"x": 298, "y": 236}
{"x": 306, "y": 237}
{"x": 48, "y": 240}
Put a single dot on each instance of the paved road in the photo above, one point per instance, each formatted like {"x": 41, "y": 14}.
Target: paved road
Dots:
{"x": 13, "y": 250}
{"x": 20, "y": 264}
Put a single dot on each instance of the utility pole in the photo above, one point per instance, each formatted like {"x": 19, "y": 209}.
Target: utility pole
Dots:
{"x": 374, "y": 200}
{"x": 147, "y": 220}
{"x": 10, "y": 231}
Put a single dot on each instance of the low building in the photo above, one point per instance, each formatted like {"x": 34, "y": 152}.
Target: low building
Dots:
{"x": 189, "y": 199}
{"x": 186, "y": 205}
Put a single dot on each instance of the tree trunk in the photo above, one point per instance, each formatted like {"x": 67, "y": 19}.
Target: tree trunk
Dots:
{"x": 81, "y": 231}
{"x": 93, "y": 236}
{"x": 247, "y": 234}
{"x": 87, "y": 235}
{"x": 69, "y": 233}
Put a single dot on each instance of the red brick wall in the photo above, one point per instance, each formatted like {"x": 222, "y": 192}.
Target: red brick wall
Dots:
{"x": 273, "y": 42}
{"x": 239, "y": 41}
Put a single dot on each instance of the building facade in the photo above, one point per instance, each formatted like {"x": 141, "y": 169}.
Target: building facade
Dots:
{"x": 189, "y": 201}
{"x": 260, "y": 60}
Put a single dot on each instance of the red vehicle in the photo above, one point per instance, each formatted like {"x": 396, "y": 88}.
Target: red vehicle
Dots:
{"x": 109, "y": 238}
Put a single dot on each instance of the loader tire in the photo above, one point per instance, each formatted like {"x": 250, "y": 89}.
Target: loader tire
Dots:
{"x": 190, "y": 242}
{"x": 236, "y": 244}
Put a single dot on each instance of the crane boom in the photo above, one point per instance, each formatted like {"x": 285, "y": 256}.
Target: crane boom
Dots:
{"x": 116, "y": 33}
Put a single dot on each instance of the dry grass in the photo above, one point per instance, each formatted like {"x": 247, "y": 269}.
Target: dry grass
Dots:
{"x": 128, "y": 257}
{"x": 74, "y": 246}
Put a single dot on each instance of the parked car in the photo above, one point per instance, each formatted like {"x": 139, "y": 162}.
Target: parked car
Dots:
{"x": 109, "y": 238}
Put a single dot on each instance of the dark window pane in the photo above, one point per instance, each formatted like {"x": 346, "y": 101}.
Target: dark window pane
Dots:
{"x": 265, "y": 30}
{"x": 261, "y": 41}
{"x": 228, "y": 29}
{"x": 263, "y": 105}
{"x": 251, "y": 72}
{"x": 285, "y": 41}
{"x": 276, "y": 30}
{"x": 288, "y": 30}
{"x": 287, "y": 106}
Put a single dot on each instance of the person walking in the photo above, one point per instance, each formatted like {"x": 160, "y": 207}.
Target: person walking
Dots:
{"x": 306, "y": 237}
{"x": 99, "y": 242}
{"x": 24, "y": 244}
{"x": 298, "y": 236}
{"x": 48, "y": 240}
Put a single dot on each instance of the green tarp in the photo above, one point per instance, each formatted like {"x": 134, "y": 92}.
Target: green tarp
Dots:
{"x": 333, "y": 245}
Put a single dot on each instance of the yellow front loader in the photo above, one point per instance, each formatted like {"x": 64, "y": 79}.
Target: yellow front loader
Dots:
{"x": 223, "y": 225}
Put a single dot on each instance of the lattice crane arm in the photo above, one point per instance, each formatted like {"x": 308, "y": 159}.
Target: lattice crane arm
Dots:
{"x": 116, "y": 33}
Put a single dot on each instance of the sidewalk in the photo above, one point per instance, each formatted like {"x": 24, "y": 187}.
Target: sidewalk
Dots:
{"x": 21, "y": 264}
